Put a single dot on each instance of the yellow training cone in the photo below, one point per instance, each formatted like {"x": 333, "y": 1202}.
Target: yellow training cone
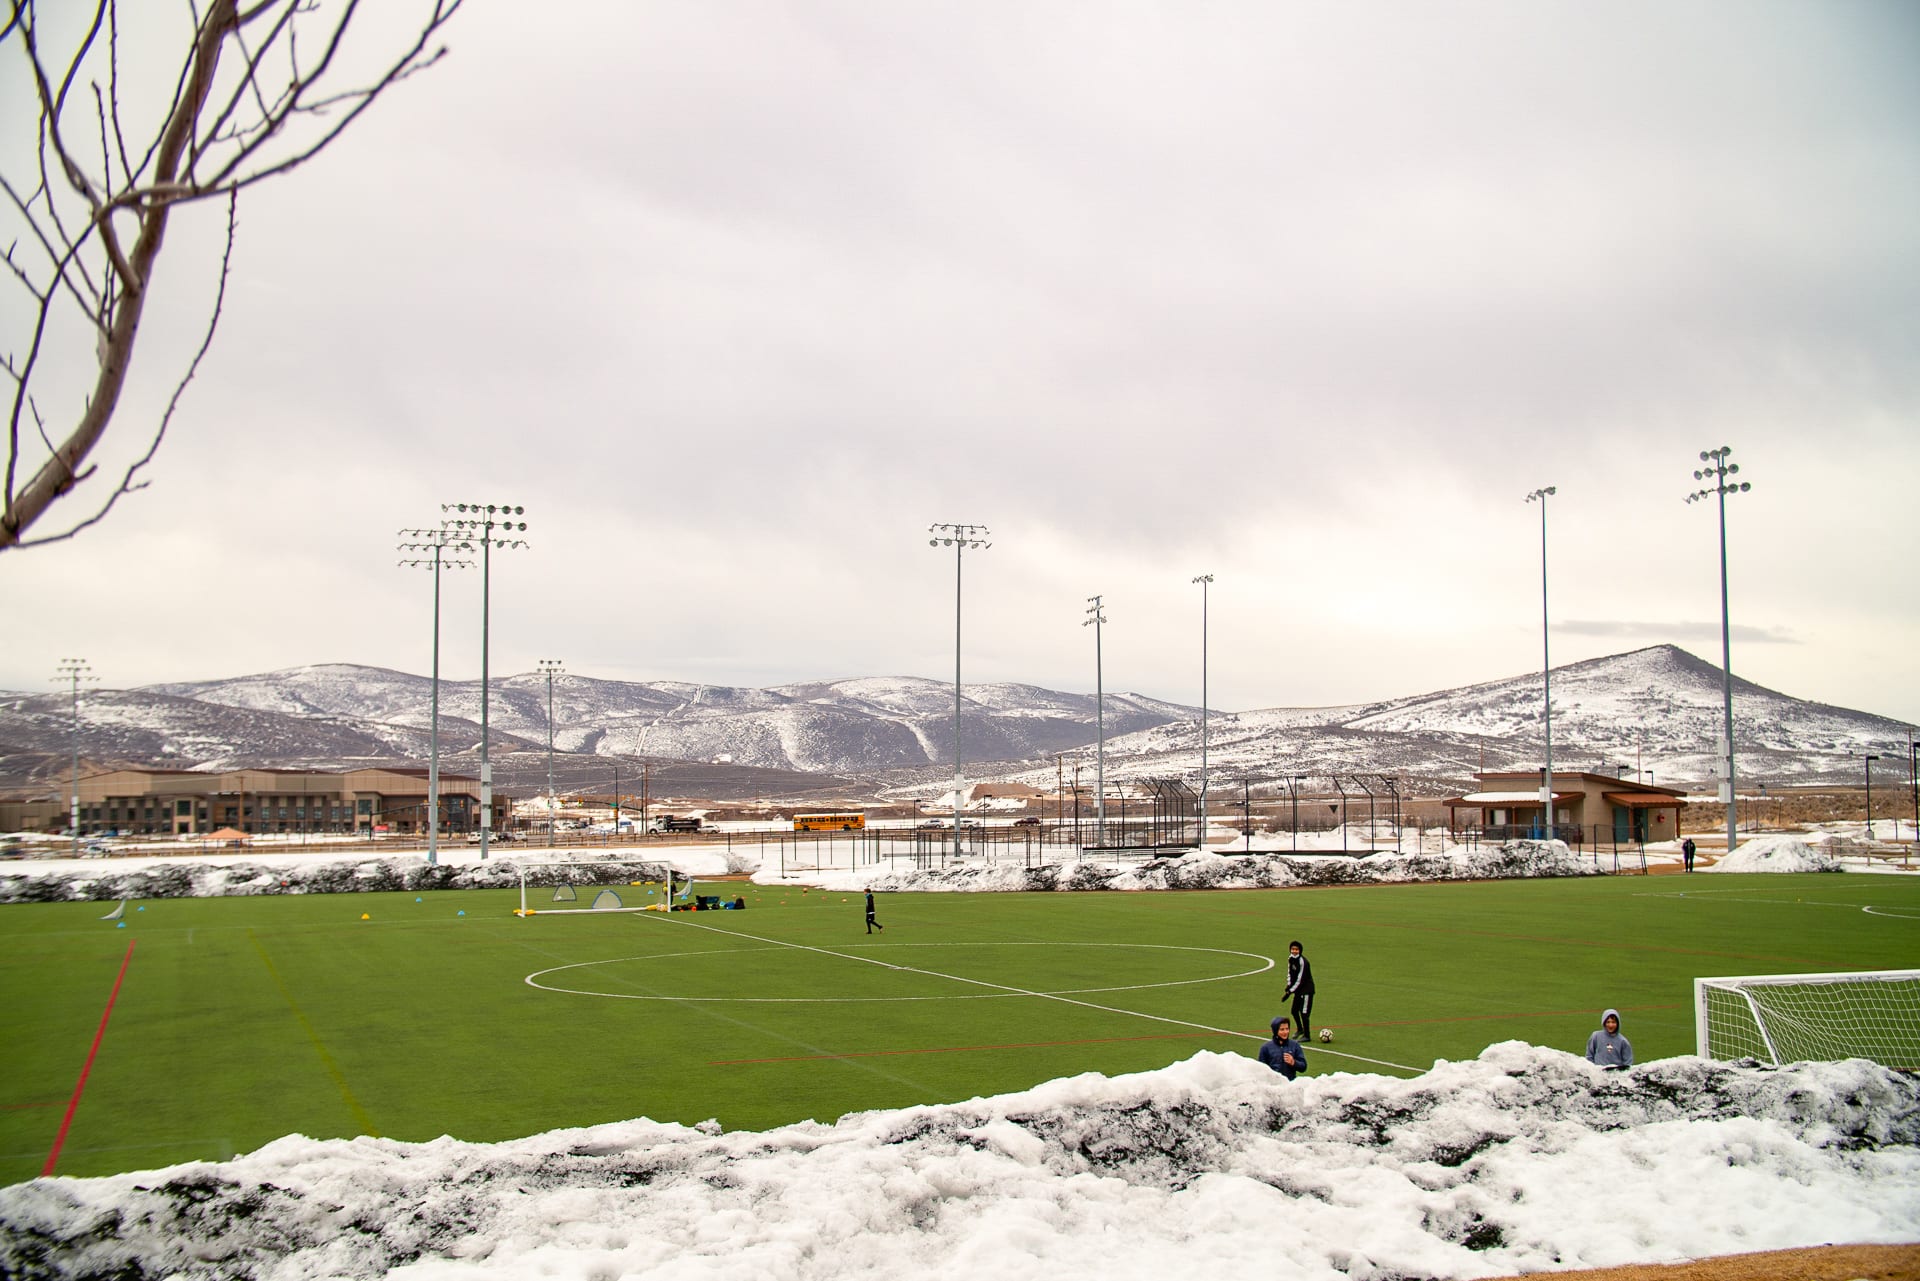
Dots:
{"x": 365, "y": 917}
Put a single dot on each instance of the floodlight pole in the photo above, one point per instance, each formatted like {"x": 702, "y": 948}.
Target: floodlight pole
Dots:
{"x": 1913, "y": 784}
{"x": 73, "y": 671}
{"x": 1546, "y": 661}
{"x": 1866, "y": 763}
{"x": 438, "y": 541}
{"x": 1718, "y": 470}
{"x": 552, "y": 667}
{"x": 1295, "y": 789}
{"x": 1203, "y": 580}
{"x": 960, "y": 538}
{"x": 1097, "y": 621}
{"x": 485, "y": 519}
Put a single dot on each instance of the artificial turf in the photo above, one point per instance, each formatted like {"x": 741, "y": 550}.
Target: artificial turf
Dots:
{"x": 239, "y": 1020}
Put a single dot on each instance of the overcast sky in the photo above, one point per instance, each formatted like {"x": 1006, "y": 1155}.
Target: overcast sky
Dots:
{"x": 736, "y": 299}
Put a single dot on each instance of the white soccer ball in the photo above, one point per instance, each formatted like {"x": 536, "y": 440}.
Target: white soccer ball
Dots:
{"x": 1326, "y": 1036}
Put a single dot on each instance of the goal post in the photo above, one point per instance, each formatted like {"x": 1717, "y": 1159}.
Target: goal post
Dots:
{"x": 593, "y": 885}
{"x": 1789, "y": 1018}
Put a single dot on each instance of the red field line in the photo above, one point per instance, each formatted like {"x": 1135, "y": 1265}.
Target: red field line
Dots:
{"x": 73, "y": 1104}
{"x": 967, "y": 1049}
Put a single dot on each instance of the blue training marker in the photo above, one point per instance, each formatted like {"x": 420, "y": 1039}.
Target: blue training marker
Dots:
{"x": 141, "y": 908}
{"x": 121, "y": 926}
{"x": 461, "y": 912}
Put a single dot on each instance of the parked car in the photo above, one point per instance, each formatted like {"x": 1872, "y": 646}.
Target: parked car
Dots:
{"x": 1028, "y": 821}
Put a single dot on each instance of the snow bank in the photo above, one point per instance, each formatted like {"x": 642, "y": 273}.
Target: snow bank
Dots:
{"x": 1780, "y": 854}
{"x": 1210, "y": 871}
{"x": 201, "y": 878}
{"x": 1523, "y": 1159}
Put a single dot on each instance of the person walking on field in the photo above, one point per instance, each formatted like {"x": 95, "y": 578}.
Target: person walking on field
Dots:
{"x": 1284, "y": 1054}
{"x": 872, "y": 924}
{"x": 1686, "y": 852}
{"x": 1607, "y": 1048}
{"x": 1300, "y": 988}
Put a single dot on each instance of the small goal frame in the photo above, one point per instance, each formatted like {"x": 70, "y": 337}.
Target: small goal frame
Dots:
{"x": 619, "y": 876}
{"x": 1787, "y": 1035}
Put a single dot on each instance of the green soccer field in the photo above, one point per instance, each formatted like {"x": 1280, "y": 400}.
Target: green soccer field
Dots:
{"x": 235, "y": 1021}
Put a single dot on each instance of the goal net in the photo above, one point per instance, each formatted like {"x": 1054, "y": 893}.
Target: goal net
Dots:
{"x": 1788, "y": 1018}
{"x": 595, "y": 885}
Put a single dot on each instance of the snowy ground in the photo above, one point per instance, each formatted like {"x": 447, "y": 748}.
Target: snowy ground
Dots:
{"x": 1524, "y": 1159}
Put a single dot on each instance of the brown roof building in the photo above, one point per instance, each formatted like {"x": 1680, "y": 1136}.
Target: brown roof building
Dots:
{"x": 146, "y": 802}
{"x": 1589, "y": 809}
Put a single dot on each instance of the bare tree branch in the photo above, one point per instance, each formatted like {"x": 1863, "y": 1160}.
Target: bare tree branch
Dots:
{"x": 127, "y": 485}
{"x": 229, "y": 123}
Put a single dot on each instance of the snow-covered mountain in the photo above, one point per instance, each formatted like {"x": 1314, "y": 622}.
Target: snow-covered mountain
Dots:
{"x": 1656, "y": 709}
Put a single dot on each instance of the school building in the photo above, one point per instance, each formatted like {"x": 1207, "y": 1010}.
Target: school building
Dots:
{"x": 146, "y": 802}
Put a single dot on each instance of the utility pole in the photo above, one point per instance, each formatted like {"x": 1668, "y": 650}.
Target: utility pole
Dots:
{"x": 1204, "y": 580}
{"x": 552, "y": 668}
{"x": 73, "y": 671}
{"x": 960, "y": 538}
{"x": 1546, "y": 661}
{"x": 1097, "y": 620}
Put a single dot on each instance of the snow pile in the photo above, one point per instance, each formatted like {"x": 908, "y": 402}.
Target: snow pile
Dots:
{"x": 1524, "y": 1159}
{"x": 1779, "y": 854}
{"x": 1198, "y": 870}
{"x": 204, "y": 878}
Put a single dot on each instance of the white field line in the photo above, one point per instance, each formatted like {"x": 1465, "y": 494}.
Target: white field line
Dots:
{"x": 1021, "y": 991}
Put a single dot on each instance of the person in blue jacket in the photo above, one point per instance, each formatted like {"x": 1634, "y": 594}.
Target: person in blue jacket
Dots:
{"x": 1284, "y": 1054}
{"x": 1607, "y": 1048}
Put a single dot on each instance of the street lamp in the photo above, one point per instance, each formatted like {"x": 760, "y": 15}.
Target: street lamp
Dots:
{"x": 1866, "y": 763}
{"x": 486, "y": 523}
{"x": 440, "y": 542}
{"x": 960, "y": 538}
{"x": 73, "y": 671}
{"x": 552, "y": 667}
{"x": 1546, "y": 661}
{"x": 1097, "y": 620}
{"x": 1203, "y": 580}
{"x": 1719, "y": 471}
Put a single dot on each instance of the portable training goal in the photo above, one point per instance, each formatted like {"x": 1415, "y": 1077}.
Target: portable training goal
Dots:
{"x": 594, "y": 885}
{"x": 1789, "y": 1018}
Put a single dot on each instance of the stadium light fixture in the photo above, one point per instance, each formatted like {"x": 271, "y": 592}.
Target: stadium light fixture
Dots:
{"x": 448, "y": 552}
{"x": 1866, "y": 763}
{"x": 73, "y": 671}
{"x": 552, "y": 667}
{"x": 1204, "y": 580}
{"x": 491, "y": 525}
{"x": 960, "y": 538}
{"x": 1546, "y": 662}
{"x": 1097, "y": 619}
{"x": 1721, "y": 472}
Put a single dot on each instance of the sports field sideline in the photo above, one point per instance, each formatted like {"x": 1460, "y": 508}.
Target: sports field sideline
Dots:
{"x": 208, "y": 1027}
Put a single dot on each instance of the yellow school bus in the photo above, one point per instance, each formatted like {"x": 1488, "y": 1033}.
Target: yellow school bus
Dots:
{"x": 829, "y": 822}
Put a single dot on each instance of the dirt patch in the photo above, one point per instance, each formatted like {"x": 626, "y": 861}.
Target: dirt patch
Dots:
{"x": 1822, "y": 1263}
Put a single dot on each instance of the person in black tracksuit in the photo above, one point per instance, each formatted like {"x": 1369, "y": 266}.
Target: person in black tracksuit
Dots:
{"x": 872, "y": 924}
{"x": 1300, "y": 988}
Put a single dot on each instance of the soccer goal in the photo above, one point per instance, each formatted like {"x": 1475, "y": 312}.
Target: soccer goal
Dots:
{"x": 594, "y": 885}
{"x": 1788, "y": 1018}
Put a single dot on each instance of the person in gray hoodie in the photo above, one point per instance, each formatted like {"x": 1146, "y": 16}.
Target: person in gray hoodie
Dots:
{"x": 1607, "y": 1048}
